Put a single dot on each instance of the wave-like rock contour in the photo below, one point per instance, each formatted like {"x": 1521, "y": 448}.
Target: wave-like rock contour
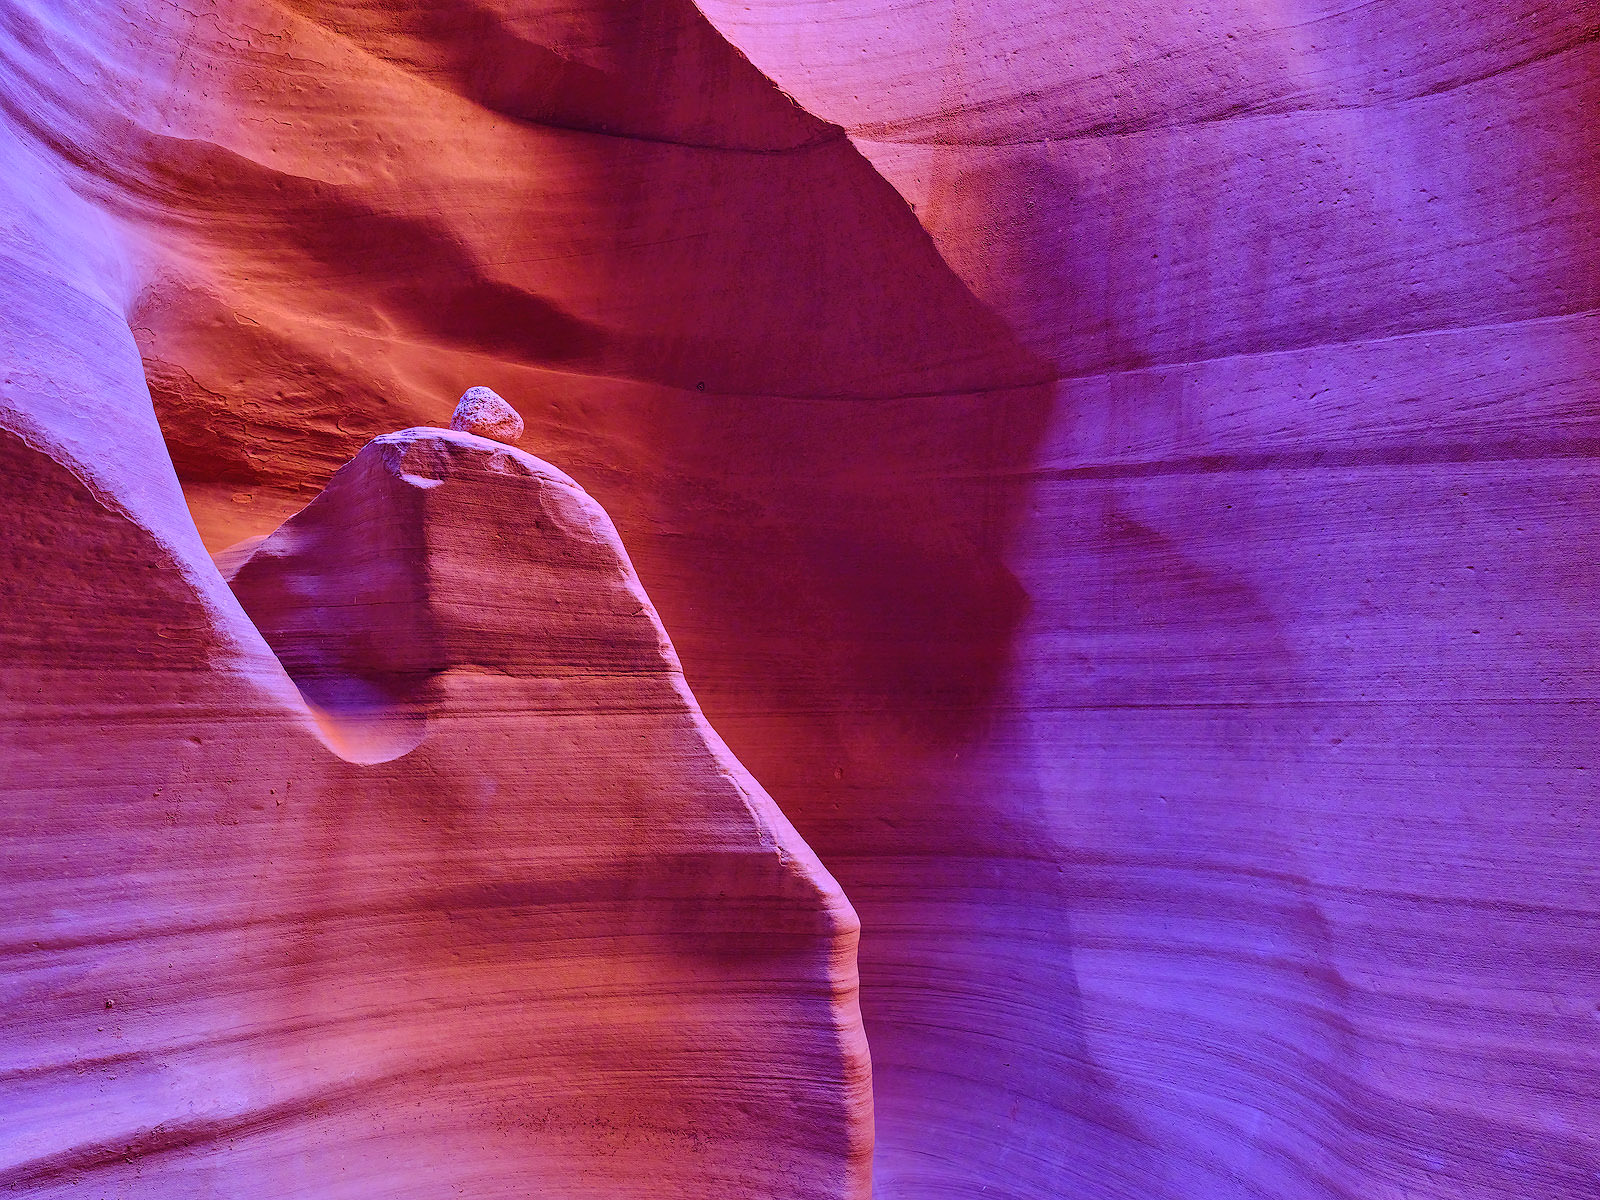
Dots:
{"x": 492, "y": 909}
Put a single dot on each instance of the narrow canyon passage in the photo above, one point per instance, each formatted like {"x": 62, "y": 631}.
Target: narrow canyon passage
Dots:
{"x": 1117, "y": 479}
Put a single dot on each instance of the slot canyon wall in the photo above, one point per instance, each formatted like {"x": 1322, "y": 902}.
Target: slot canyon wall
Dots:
{"x": 1119, "y": 480}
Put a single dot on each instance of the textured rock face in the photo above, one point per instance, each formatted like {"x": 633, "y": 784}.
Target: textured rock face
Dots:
{"x": 1117, "y": 475}
{"x": 1274, "y": 873}
{"x": 497, "y": 912}
{"x": 484, "y": 412}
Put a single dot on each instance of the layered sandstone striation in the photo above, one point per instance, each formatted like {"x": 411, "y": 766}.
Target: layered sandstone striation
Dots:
{"x": 1118, "y": 476}
{"x": 465, "y": 895}
{"x": 1275, "y": 873}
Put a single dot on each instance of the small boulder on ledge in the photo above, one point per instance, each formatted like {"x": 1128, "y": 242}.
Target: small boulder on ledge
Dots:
{"x": 482, "y": 411}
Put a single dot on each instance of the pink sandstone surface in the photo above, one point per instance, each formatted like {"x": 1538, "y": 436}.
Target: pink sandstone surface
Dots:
{"x": 1121, "y": 477}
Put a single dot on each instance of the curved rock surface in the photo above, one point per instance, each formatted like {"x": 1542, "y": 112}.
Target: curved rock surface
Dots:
{"x": 1118, "y": 475}
{"x": 495, "y": 910}
{"x": 1276, "y": 867}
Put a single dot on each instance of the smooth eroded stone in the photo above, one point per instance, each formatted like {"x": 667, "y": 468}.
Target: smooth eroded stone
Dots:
{"x": 1121, "y": 475}
{"x": 415, "y": 863}
{"x": 484, "y": 412}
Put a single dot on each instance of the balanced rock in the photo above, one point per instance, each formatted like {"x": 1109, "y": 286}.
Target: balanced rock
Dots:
{"x": 484, "y": 412}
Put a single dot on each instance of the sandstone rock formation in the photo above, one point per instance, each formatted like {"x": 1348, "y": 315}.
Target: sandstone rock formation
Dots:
{"x": 492, "y": 909}
{"x": 1117, "y": 475}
